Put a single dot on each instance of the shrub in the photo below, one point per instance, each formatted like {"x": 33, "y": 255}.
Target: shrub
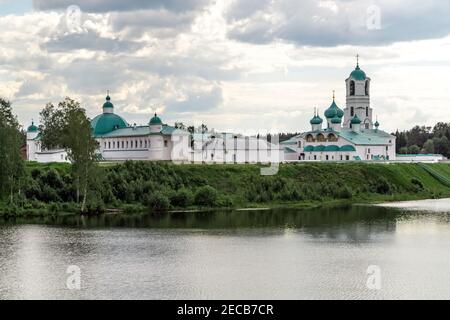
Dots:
{"x": 345, "y": 193}
{"x": 417, "y": 183}
{"x": 157, "y": 201}
{"x": 181, "y": 198}
{"x": 225, "y": 201}
{"x": 382, "y": 186}
{"x": 206, "y": 196}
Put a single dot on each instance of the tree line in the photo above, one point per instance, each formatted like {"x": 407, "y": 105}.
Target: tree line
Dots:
{"x": 425, "y": 139}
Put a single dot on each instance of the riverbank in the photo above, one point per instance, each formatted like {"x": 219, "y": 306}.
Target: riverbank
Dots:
{"x": 133, "y": 187}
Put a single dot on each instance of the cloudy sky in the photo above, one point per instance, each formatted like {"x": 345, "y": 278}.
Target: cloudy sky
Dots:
{"x": 238, "y": 65}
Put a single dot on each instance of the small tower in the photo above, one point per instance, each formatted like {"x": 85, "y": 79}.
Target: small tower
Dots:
{"x": 32, "y": 144}
{"x": 316, "y": 122}
{"x": 358, "y": 98}
{"x": 155, "y": 124}
{"x": 108, "y": 107}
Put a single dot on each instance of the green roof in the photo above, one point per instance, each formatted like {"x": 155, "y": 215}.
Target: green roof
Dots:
{"x": 336, "y": 120}
{"x": 107, "y": 122}
{"x": 334, "y": 111}
{"x": 32, "y": 128}
{"x": 141, "y": 131}
{"x": 316, "y": 120}
{"x": 358, "y": 74}
{"x": 366, "y": 136}
{"x": 309, "y": 149}
{"x": 347, "y": 148}
{"x": 332, "y": 148}
{"x": 108, "y": 104}
{"x": 355, "y": 120}
{"x": 319, "y": 148}
{"x": 155, "y": 120}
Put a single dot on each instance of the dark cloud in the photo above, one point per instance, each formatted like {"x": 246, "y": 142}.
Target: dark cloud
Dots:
{"x": 340, "y": 22}
{"x": 117, "y": 5}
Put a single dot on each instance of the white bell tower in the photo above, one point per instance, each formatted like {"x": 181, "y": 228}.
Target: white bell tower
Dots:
{"x": 358, "y": 98}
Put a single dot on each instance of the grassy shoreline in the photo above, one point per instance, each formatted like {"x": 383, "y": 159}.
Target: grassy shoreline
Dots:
{"x": 137, "y": 187}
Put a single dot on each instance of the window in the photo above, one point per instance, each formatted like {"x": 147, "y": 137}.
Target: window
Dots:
{"x": 315, "y": 157}
{"x": 367, "y": 88}
{"x": 367, "y": 111}
{"x": 122, "y": 144}
{"x": 326, "y": 157}
{"x": 332, "y": 138}
{"x": 114, "y": 144}
{"x": 135, "y": 144}
{"x": 368, "y": 150}
{"x": 320, "y": 137}
{"x": 352, "y": 88}
{"x": 387, "y": 148}
{"x": 341, "y": 157}
{"x": 104, "y": 145}
{"x": 145, "y": 143}
{"x": 140, "y": 143}
{"x": 165, "y": 143}
{"x": 127, "y": 144}
{"x": 309, "y": 138}
{"x": 367, "y": 157}
{"x": 149, "y": 144}
{"x": 299, "y": 144}
{"x": 347, "y": 158}
{"x": 109, "y": 145}
{"x": 352, "y": 111}
{"x": 367, "y": 126}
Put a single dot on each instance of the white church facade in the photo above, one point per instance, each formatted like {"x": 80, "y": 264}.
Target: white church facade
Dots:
{"x": 350, "y": 134}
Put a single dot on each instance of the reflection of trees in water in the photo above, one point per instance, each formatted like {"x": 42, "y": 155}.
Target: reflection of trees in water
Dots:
{"x": 348, "y": 222}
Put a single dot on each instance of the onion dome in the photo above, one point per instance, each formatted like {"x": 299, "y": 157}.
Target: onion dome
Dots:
{"x": 355, "y": 120}
{"x": 358, "y": 74}
{"x": 155, "y": 120}
{"x": 336, "y": 120}
{"x": 376, "y": 124}
{"x": 32, "y": 128}
{"x": 334, "y": 111}
{"x": 316, "y": 120}
{"x": 108, "y": 104}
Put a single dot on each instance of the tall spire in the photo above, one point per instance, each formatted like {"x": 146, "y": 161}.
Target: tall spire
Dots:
{"x": 334, "y": 95}
{"x": 357, "y": 61}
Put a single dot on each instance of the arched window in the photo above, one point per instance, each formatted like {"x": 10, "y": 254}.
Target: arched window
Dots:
{"x": 352, "y": 88}
{"x": 320, "y": 137}
{"x": 309, "y": 138}
{"x": 367, "y": 88}
{"x": 332, "y": 137}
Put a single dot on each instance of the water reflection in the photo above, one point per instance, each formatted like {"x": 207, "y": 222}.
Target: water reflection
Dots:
{"x": 270, "y": 254}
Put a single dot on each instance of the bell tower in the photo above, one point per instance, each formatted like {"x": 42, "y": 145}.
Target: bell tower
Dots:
{"x": 358, "y": 98}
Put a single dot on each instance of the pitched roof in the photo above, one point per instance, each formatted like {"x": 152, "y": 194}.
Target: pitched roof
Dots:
{"x": 366, "y": 136}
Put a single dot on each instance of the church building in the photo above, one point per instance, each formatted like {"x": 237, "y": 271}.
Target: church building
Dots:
{"x": 347, "y": 134}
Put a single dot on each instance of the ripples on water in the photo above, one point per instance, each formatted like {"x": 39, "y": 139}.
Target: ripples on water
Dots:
{"x": 270, "y": 254}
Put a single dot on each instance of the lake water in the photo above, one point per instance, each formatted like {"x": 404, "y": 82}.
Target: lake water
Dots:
{"x": 271, "y": 254}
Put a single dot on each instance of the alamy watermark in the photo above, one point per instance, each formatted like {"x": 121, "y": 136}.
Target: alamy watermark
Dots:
{"x": 374, "y": 277}
{"x": 73, "y": 281}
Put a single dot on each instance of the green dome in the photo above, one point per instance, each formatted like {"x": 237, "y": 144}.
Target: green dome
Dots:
{"x": 336, "y": 120}
{"x": 334, "y": 111}
{"x": 316, "y": 120}
{"x": 355, "y": 120}
{"x": 155, "y": 120}
{"x": 107, "y": 122}
{"x": 108, "y": 103}
{"x": 32, "y": 128}
{"x": 358, "y": 74}
{"x": 376, "y": 124}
